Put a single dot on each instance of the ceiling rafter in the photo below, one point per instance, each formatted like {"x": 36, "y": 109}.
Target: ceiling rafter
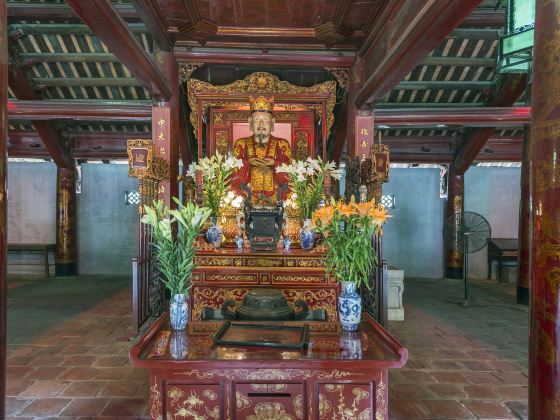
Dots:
{"x": 511, "y": 88}
{"x": 23, "y": 88}
{"x": 334, "y": 31}
{"x": 198, "y": 28}
{"x": 109, "y": 27}
{"x": 152, "y": 16}
{"x": 403, "y": 45}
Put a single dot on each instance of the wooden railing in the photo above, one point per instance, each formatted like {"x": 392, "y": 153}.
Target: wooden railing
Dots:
{"x": 141, "y": 272}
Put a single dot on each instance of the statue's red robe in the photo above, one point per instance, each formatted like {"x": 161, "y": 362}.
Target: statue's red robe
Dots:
{"x": 263, "y": 180}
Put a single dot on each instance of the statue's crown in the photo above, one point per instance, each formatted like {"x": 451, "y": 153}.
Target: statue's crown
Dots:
{"x": 261, "y": 104}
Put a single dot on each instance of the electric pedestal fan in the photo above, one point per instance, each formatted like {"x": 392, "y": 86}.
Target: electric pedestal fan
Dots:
{"x": 466, "y": 232}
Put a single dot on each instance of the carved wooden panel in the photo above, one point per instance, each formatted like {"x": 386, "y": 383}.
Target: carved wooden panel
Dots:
{"x": 269, "y": 401}
{"x": 345, "y": 401}
{"x": 196, "y": 401}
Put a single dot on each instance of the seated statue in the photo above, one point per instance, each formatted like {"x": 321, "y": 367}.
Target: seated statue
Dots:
{"x": 261, "y": 153}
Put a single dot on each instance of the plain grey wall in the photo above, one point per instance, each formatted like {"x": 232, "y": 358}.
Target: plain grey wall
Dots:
{"x": 31, "y": 212}
{"x": 412, "y": 239}
{"x": 494, "y": 193}
{"x": 107, "y": 228}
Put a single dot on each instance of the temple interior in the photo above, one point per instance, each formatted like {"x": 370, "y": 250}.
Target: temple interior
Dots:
{"x": 247, "y": 209}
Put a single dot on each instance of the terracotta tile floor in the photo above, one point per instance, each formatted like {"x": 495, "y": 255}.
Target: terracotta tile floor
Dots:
{"x": 465, "y": 363}
{"x": 78, "y": 368}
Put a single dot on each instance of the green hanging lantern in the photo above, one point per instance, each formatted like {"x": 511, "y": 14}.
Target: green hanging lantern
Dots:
{"x": 516, "y": 46}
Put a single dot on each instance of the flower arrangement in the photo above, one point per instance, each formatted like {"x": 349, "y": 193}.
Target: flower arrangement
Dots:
{"x": 347, "y": 231}
{"x": 217, "y": 173}
{"x": 306, "y": 182}
{"x": 175, "y": 255}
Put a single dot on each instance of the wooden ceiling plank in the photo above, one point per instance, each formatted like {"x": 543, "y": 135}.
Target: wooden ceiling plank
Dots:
{"x": 80, "y": 110}
{"x": 152, "y": 16}
{"x": 494, "y": 116}
{"x": 459, "y": 61}
{"x": 17, "y": 9}
{"x": 261, "y": 58}
{"x": 407, "y": 43}
{"x": 23, "y": 89}
{"x": 511, "y": 89}
{"x": 111, "y": 29}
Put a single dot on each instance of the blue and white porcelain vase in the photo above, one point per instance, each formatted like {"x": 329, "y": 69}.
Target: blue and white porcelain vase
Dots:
{"x": 349, "y": 307}
{"x": 178, "y": 312}
{"x": 307, "y": 235}
{"x": 214, "y": 235}
{"x": 178, "y": 345}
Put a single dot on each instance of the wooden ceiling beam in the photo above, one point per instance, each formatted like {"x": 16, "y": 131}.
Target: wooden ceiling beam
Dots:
{"x": 334, "y": 31}
{"x": 483, "y": 18}
{"x": 152, "y": 16}
{"x": 28, "y": 59}
{"x": 510, "y": 90}
{"x": 470, "y": 117}
{"x": 44, "y": 82}
{"x": 396, "y": 46}
{"x": 17, "y": 9}
{"x": 23, "y": 89}
{"x": 18, "y": 29}
{"x": 299, "y": 59}
{"x": 80, "y": 110}
{"x": 459, "y": 61}
{"x": 445, "y": 84}
{"x": 111, "y": 29}
{"x": 199, "y": 28}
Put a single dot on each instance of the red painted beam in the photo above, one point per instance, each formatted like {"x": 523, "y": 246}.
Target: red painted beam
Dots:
{"x": 3, "y": 199}
{"x": 403, "y": 38}
{"x": 153, "y": 18}
{"x": 468, "y": 116}
{"x": 80, "y": 110}
{"x": 22, "y": 88}
{"x": 106, "y": 23}
{"x": 54, "y": 11}
{"x": 89, "y": 144}
{"x": 511, "y": 89}
{"x": 269, "y": 58}
{"x": 485, "y": 18}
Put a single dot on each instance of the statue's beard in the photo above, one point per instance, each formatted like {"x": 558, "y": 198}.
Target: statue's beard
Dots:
{"x": 260, "y": 138}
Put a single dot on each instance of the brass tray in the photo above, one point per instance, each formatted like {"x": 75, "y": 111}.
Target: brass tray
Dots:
{"x": 262, "y": 335}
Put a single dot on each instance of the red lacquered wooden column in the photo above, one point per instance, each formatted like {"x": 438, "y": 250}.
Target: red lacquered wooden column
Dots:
{"x": 525, "y": 215}
{"x": 65, "y": 222}
{"x": 165, "y": 128}
{"x": 544, "y": 375}
{"x": 3, "y": 204}
{"x": 455, "y": 204}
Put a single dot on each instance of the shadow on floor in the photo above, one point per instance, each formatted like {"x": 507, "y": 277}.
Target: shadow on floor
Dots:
{"x": 38, "y": 304}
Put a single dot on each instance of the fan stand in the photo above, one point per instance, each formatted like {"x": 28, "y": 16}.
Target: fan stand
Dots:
{"x": 466, "y": 299}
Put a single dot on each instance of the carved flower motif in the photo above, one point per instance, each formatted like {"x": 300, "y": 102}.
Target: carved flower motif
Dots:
{"x": 270, "y": 411}
{"x": 211, "y": 395}
{"x": 241, "y": 401}
{"x": 298, "y": 406}
{"x": 324, "y": 406}
{"x": 175, "y": 393}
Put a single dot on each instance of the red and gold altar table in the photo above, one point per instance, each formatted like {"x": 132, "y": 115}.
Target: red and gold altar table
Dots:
{"x": 226, "y": 273}
{"x": 336, "y": 376}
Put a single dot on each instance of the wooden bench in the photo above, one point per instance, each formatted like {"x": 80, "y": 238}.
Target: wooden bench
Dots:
{"x": 42, "y": 248}
{"x": 503, "y": 250}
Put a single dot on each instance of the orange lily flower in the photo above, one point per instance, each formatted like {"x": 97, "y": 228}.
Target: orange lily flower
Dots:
{"x": 363, "y": 209}
{"x": 346, "y": 210}
{"x": 323, "y": 215}
{"x": 379, "y": 215}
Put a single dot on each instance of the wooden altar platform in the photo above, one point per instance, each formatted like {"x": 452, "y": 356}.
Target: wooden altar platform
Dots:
{"x": 226, "y": 273}
{"x": 336, "y": 373}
